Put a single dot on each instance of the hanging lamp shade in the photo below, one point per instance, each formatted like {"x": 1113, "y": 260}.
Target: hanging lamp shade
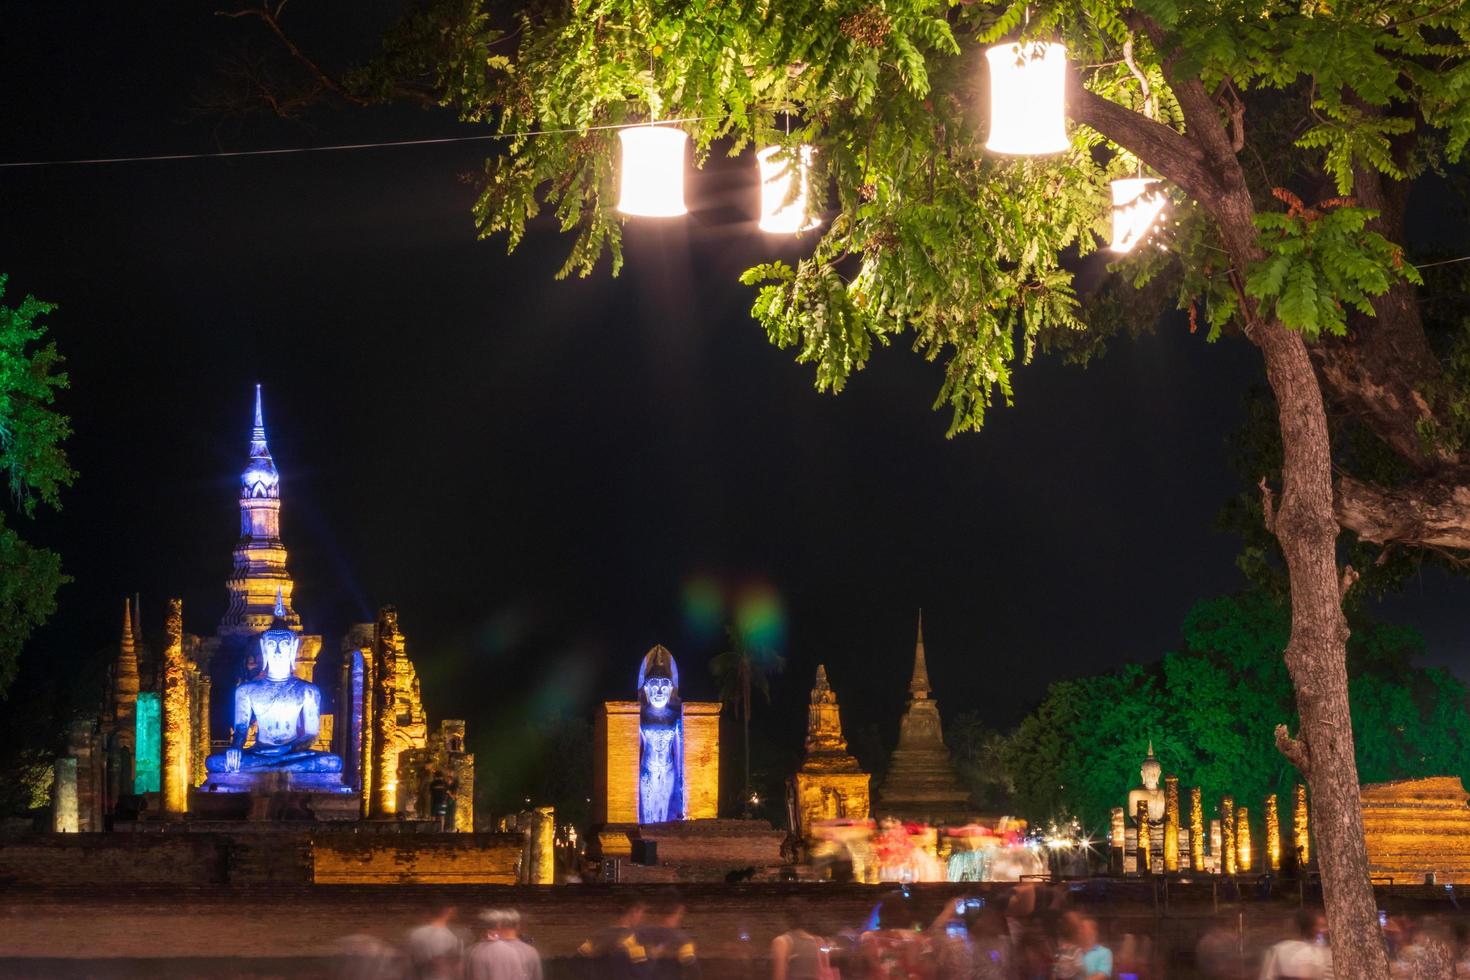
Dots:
{"x": 783, "y": 209}
{"x": 652, "y": 178}
{"x": 1137, "y": 203}
{"x": 1028, "y": 86}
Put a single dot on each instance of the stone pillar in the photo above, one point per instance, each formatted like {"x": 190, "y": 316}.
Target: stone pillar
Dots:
{"x": 1242, "y": 839}
{"x": 1145, "y": 840}
{"x": 177, "y": 737}
{"x": 1118, "y": 840}
{"x": 1273, "y": 834}
{"x": 1216, "y": 846}
{"x": 462, "y": 768}
{"x": 1227, "y": 838}
{"x": 1196, "y": 831}
{"x": 543, "y": 846}
{"x": 64, "y": 816}
{"x": 1301, "y": 838}
{"x": 199, "y": 692}
{"x": 387, "y": 645}
{"x": 1171, "y": 823}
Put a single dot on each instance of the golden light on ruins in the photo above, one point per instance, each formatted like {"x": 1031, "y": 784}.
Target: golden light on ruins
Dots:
{"x": 1227, "y": 836}
{"x": 1171, "y": 823}
{"x": 1145, "y": 839}
{"x": 1273, "y": 834}
{"x": 1243, "y": 839}
{"x": 1196, "y": 830}
{"x": 1301, "y": 838}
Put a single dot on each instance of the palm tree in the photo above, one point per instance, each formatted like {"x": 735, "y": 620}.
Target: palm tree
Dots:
{"x": 742, "y": 670}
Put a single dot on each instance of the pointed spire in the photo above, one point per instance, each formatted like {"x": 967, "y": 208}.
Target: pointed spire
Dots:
{"x": 125, "y": 682}
{"x": 919, "y": 686}
{"x": 127, "y": 645}
{"x": 1150, "y": 748}
{"x": 281, "y": 613}
{"x": 138, "y": 620}
{"x": 822, "y": 684}
{"x": 260, "y": 478}
{"x": 258, "y": 448}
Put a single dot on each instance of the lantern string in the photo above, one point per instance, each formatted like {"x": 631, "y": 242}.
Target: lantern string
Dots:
{"x": 289, "y": 150}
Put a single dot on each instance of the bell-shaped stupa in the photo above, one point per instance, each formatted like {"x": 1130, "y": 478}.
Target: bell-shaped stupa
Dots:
{"x": 921, "y": 783}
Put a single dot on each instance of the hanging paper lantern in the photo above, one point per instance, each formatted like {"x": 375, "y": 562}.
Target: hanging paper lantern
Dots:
{"x": 1137, "y": 203}
{"x": 783, "y": 210}
{"x": 652, "y": 183}
{"x": 1028, "y": 85}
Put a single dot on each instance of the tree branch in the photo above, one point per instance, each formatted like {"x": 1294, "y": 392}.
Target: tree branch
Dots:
{"x": 271, "y": 19}
{"x": 1164, "y": 149}
{"x": 1294, "y": 750}
{"x": 1433, "y": 513}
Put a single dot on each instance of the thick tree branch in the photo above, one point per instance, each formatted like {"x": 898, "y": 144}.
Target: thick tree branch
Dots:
{"x": 1433, "y": 513}
{"x": 1164, "y": 149}
{"x": 1294, "y": 750}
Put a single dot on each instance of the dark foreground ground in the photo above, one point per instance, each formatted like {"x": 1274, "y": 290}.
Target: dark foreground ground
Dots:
{"x": 261, "y": 932}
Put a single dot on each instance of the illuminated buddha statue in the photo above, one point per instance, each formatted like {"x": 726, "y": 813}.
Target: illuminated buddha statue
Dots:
{"x": 286, "y": 711}
{"x": 661, "y": 743}
{"x": 1150, "y": 772}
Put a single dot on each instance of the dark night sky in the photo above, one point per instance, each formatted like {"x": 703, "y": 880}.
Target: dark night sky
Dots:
{"x": 534, "y": 471}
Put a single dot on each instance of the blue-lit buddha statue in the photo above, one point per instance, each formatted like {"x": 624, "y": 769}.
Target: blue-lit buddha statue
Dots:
{"x": 660, "y": 733}
{"x": 286, "y": 711}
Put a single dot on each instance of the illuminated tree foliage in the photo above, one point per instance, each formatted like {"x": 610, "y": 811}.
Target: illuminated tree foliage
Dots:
{"x": 35, "y": 469}
{"x": 1209, "y": 708}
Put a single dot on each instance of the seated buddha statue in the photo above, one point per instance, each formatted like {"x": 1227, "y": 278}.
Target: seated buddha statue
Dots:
{"x": 286, "y": 711}
{"x": 1149, "y": 792}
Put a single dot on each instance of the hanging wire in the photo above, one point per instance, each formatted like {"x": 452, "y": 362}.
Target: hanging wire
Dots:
{"x": 286, "y": 151}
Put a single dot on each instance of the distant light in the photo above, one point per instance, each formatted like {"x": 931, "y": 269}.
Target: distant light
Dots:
{"x": 1137, "y": 203}
{"x": 1028, "y": 104}
{"x": 784, "y": 211}
{"x": 652, "y": 172}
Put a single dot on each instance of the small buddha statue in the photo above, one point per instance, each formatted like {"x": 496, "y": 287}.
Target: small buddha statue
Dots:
{"x": 1150, "y": 772}
{"x": 661, "y": 743}
{"x": 286, "y": 711}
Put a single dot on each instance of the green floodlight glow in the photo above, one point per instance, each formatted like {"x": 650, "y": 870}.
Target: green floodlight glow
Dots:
{"x": 148, "y": 768}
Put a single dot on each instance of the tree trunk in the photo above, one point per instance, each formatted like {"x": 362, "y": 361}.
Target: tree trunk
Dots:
{"x": 1316, "y": 656}
{"x": 1203, "y": 161}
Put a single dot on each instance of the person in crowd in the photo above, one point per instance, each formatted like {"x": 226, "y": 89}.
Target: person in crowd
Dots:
{"x": 614, "y": 952}
{"x": 1428, "y": 955}
{"x": 510, "y": 934}
{"x": 1306, "y": 956}
{"x": 492, "y": 958}
{"x": 1080, "y": 956}
{"x": 990, "y": 945}
{"x": 950, "y": 949}
{"x": 801, "y": 952}
{"x": 670, "y": 950}
{"x": 363, "y": 957}
{"x": 434, "y": 950}
{"x": 1218, "y": 953}
{"x": 894, "y": 950}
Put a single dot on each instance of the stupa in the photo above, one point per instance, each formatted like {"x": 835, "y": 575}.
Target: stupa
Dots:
{"x": 830, "y": 784}
{"x": 921, "y": 784}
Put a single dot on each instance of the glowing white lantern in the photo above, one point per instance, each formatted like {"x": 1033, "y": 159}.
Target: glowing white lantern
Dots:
{"x": 1136, "y": 206}
{"x": 783, "y": 210}
{"x": 653, "y": 171}
{"x": 1028, "y": 86}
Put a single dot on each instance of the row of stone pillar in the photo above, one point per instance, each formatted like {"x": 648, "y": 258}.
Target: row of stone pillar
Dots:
{"x": 1231, "y": 847}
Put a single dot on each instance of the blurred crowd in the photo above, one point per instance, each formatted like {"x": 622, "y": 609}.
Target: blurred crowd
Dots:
{"x": 1024, "y": 933}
